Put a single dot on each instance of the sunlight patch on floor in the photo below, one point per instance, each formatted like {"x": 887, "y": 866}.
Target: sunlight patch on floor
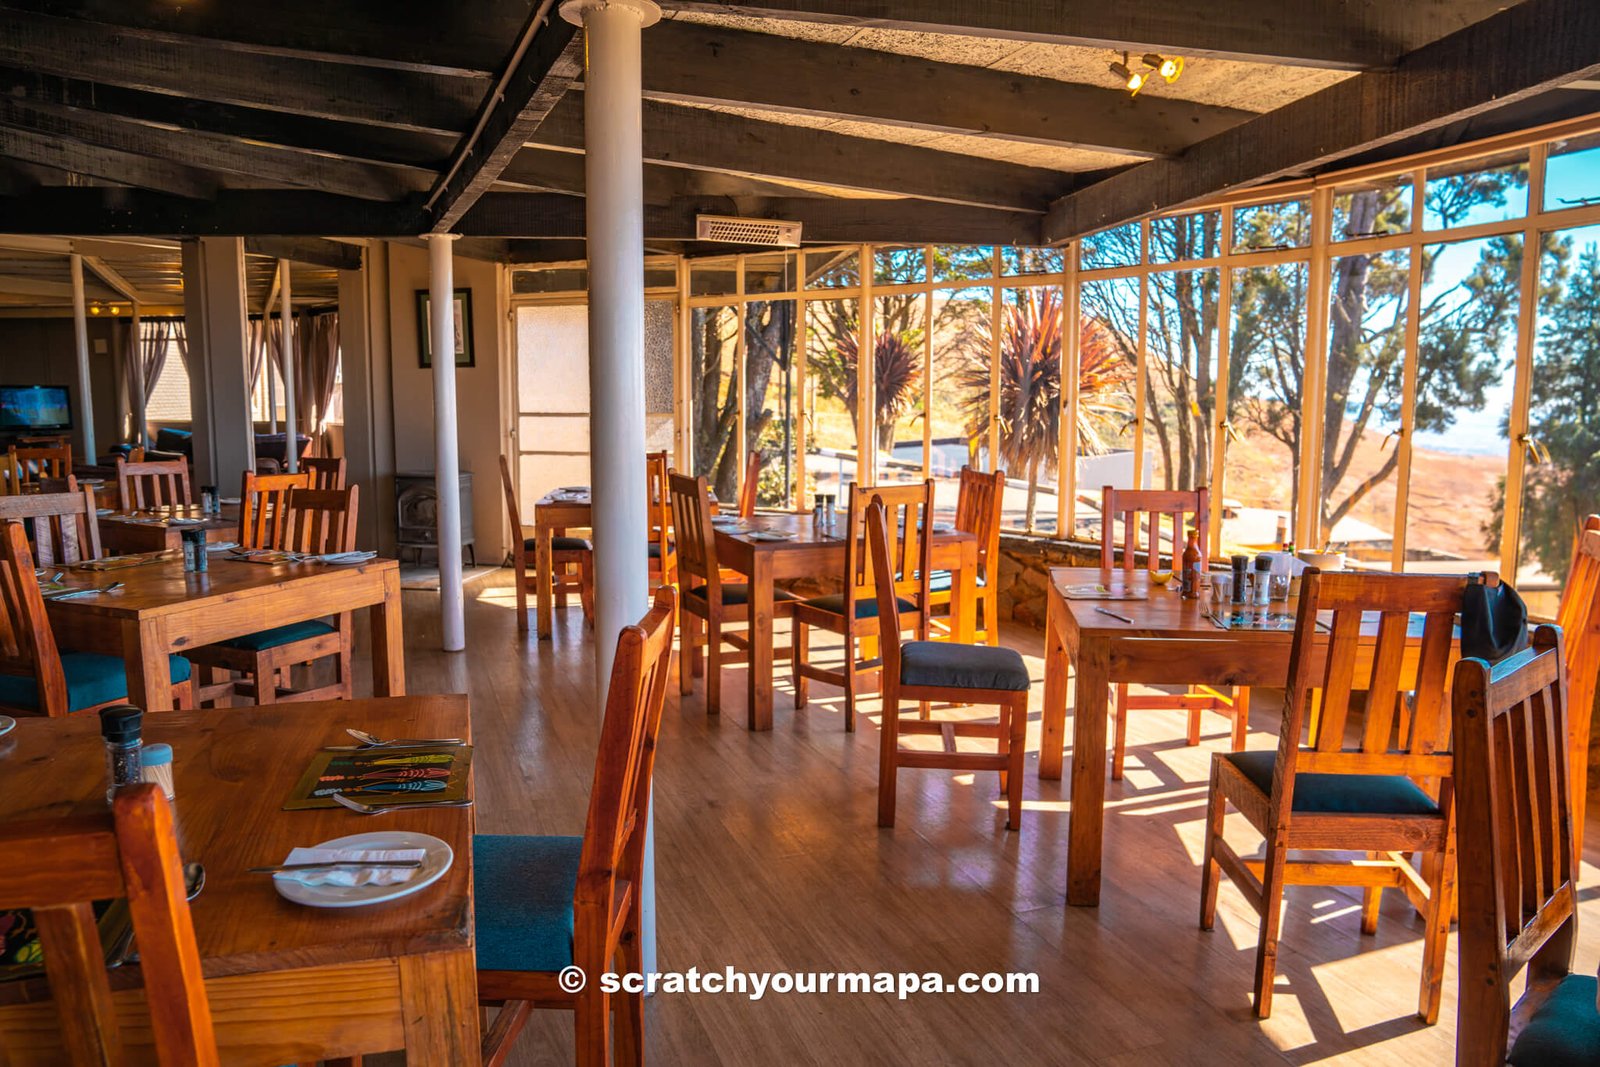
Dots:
{"x": 1369, "y": 968}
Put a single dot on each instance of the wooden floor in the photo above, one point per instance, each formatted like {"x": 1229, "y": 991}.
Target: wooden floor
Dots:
{"x": 769, "y": 859}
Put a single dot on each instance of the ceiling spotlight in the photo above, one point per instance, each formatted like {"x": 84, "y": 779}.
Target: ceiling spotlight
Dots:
{"x": 1169, "y": 67}
{"x": 1133, "y": 80}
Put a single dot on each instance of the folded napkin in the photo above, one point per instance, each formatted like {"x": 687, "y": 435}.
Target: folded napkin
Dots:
{"x": 350, "y": 876}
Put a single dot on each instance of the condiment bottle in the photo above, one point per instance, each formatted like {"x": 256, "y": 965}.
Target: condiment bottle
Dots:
{"x": 158, "y": 766}
{"x": 1189, "y": 583}
{"x": 1239, "y": 587}
{"x": 1261, "y": 590}
{"x": 120, "y": 727}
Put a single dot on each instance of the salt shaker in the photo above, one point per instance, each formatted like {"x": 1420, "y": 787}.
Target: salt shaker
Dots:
{"x": 158, "y": 767}
{"x": 1261, "y": 591}
{"x": 194, "y": 550}
{"x": 120, "y": 727}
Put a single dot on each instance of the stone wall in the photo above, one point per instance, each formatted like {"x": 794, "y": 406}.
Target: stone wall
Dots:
{"x": 1025, "y": 564}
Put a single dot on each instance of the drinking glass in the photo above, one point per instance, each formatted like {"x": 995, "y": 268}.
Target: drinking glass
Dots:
{"x": 1279, "y": 587}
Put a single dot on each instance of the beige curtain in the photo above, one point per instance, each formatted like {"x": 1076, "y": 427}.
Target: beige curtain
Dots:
{"x": 316, "y": 365}
{"x": 147, "y": 355}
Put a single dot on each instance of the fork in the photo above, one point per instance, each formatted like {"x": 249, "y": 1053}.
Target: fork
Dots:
{"x": 371, "y": 741}
{"x": 380, "y": 809}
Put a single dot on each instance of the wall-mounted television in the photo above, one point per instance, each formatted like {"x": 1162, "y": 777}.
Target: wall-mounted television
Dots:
{"x": 35, "y": 407}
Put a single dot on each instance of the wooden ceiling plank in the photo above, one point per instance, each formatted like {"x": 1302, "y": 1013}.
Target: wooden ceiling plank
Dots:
{"x": 1526, "y": 50}
{"x": 313, "y": 250}
{"x": 229, "y": 213}
{"x": 104, "y": 163}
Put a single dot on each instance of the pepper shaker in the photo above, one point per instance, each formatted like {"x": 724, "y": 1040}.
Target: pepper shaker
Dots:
{"x": 120, "y": 727}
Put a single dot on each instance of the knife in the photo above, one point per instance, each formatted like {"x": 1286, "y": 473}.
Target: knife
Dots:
{"x": 401, "y": 865}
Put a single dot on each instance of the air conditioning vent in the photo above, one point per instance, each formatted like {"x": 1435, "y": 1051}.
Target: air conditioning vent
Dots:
{"x": 747, "y": 231}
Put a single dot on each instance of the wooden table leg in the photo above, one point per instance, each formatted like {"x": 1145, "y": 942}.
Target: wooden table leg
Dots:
{"x": 144, "y": 658}
{"x": 1086, "y": 820}
{"x": 544, "y": 592}
{"x": 439, "y": 1007}
{"x": 388, "y": 640}
{"x": 964, "y": 601}
{"x": 760, "y": 664}
{"x": 1053, "y": 718}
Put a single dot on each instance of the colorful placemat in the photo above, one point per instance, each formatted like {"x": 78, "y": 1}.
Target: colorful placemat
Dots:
{"x": 119, "y": 563}
{"x": 421, "y": 775}
{"x": 21, "y": 956}
{"x": 1095, "y": 591}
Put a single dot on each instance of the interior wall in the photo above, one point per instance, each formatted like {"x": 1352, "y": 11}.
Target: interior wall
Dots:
{"x": 42, "y": 352}
{"x": 480, "y": 405}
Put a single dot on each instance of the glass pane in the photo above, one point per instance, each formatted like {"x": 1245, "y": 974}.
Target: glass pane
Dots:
{"x": 1572, "y": 173}
{"x": 1108, "y": 360}
{"x": 832, "y": 333}
{"x": 713, "y": 277}
{"x": 900, "y": 342}
{"x": 1014, "y": 261}
{"x": 566, "y": 280}
{"x": 1361, "y": 416}
{"x": 715, "y": 416}
{"x": 1265, "y": 227}
{"x": 1030, "y": 400}
{"x": 1466, "y": 358}
{"x": 1266, "y": 371}
{"x": 769, "y": 327}
{"x": 1562, "y": 483}
{"x": 899, "y": 266}
{"x": 1184, "y": 237}
{"x": 1373, "y": 209}
{"x": 833, "y": 269}
{"x": 961, "y": 380}
{"x": 769, "y": 272}
{"x": 1180, "y": 389}
{"x": 1116, "y": 247}
{"x": 1479, "y": 190}
{"x": 552, "y": 360}
{"x": 952, "y": 263}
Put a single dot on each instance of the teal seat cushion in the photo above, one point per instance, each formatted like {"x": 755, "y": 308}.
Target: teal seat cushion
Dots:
{"x": 737, "y": 593}
{"x": 865, "y": 609}
{"x": 654, "y": 550}
{"x": 1343, "y": 794}
{"x": 280, "y": 635}
{"x": 942, "y": 581}
{"x": 559, "y": 544}
{"x": 1565, "y": 1031}
{"x": 941, "y": 663}
{"x": 522, "y": 894}
{"x": 92, "y": 678}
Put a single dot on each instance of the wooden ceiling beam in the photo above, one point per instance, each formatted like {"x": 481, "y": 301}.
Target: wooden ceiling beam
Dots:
{"x": 701, "y": 139}
{"x": 548, "y": 171}
{"x": 313, "y": 250}
{"x": 106, "y": 164}
{"x": 229, "y": 213}
{"x": 693, "y": 63}
{"x": 194, "y": 67}
{"x": 1344, "y": 34}
{"x": 1526, "y": 50}
{"x": 547, "y": 59}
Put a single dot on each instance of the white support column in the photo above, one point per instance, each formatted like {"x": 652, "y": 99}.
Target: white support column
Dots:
{"x": 446, "y": 461}
{"x": 80, "y": 336}
{"x": 614, "y": 188}
{"x": 291, "y": 454}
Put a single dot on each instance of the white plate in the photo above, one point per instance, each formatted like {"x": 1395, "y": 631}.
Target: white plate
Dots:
{"x": 944, "y": 527}
{"x": 185, "y": 522}
{"x": 228, "y": 500}
{"x": 7, "y": 724}
{"x": 434, "y": 865}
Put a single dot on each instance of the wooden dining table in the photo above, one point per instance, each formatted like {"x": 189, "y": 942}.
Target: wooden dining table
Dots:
{"x": 162, "y": 609}
{"x": 806, "y": 552}
{"x": 1169, "y": 641}
{"x": 555, "y": 513}
{"x": 155, "y": 529}
{"x": 286, "y": 983}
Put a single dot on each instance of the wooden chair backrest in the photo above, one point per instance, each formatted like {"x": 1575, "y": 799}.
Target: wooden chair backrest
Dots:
{"x": 322, "y": 520}
{"x": 27, "y": 643}
{"x": 10, "y": 474}
{"x": 751, "y": 482}
{"x": 1403, "y": 733}
{"x": 693, "y": 533}
{"x": 1514, "y": 820}
{"x": 979, "y": 500}
{"x": 882, "y": 547}
{"x": 611, "y": 863}
{"x": 64, "y": 527}
{"x": 153, "y": 483}
{"x": 327, "y": 472}
{"x": 1579, "y": 619}
{"x": 658, "y": 502}
{"x": 1133, "y": 506}
{"x": 58, "y": 868}
{"x": 910, "y": 512}
{"x": 264, "y": 507}
{"x": 512, "y": 511}
{"x": 41, "y": 461}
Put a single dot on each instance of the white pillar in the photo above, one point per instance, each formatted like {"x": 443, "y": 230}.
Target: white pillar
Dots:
{"x": 614, "y": 190}
{"x": 291, "y": 454}
{"x": 80, "y": 335}
{"x": 446, "y": 462}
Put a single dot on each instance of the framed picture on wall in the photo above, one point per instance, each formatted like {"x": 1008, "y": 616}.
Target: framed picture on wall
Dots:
{"x": 463, "y": 330}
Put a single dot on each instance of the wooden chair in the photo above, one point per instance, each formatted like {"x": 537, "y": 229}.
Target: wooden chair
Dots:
{"x": 546, "y": 903}
{"x": 706, "y": 599}
{"x": 978, "y": 507}
{"x": 1519, "y": 896}
{"x": 328, "y": 472}
{"x": 928, "y": 671}
{"x": 264, "y": 507}
{"x": 1374, "y": 798}
{"x": 1135, "y": 507}
{"x": 153, "y": 483}
{"x": 36, "y": 677}
{"x": 58, "y": 868}
{"x": 33, "y": 462}
{"x": 316, "y": 521}
{"x": 658, "y": 514}
{"x": 63, "y": 527}
{"x": 854, "y": 613}
{"x": 566, "y": 553}
{"x": 1579, "y": 618}
{"x": 10, "y": 474}
{"x": 751, "y": 483}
